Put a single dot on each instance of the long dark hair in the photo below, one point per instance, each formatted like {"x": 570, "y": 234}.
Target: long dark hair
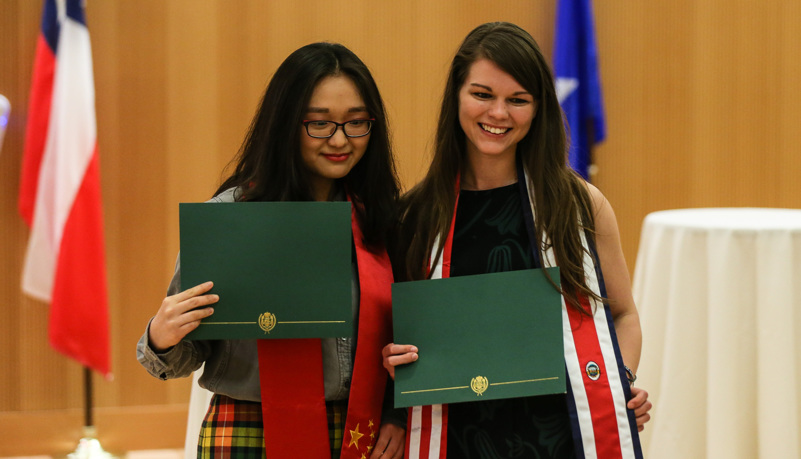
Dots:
{"x": 269, "y": 166}
{"x": 561, "y": 198}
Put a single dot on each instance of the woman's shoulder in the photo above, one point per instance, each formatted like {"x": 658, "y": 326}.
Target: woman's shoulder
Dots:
{"x": 583, "y": 190}
{"x": 605, "y": 219}
{"x": 597, "y": 197}
{"x": 232, "y": 194}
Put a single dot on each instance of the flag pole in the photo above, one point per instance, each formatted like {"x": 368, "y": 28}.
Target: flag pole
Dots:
{"x": 88, "y": 446}
{"x": 87, "y": 398}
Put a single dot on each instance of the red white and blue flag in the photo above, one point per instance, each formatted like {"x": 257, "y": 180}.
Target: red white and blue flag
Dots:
{"x": 60, "y": 190}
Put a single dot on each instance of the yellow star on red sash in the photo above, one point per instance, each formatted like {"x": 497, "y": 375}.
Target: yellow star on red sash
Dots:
{"x": 370, "y": 425}
{"x": 355, "y": 435}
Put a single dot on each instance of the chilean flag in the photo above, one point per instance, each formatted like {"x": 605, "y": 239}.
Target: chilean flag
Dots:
{"x": 60, "y": 190}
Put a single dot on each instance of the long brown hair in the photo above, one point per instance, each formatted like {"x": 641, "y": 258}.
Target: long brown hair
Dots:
{"x": 561, "y": 199}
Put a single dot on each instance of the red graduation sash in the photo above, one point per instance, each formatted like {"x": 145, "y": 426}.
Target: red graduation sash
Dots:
{"x": 597, "y": 386}
{"x": 293, "y": 404}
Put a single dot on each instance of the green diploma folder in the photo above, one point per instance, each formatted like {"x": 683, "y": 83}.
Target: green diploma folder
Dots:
{"x": 281, "y": 269}
{"x": 481, "y": 337}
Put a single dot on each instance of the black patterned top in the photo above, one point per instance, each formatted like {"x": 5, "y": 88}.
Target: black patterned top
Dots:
{"x": 490, "y": 236}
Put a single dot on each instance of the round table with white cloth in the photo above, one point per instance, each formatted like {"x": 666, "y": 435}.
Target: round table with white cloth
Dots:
{"x": 719, "y": 296}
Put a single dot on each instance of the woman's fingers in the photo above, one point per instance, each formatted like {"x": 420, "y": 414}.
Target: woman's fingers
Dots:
{"x": 643, "y": 409}
{"x": 194, "y": 297}
{"x": 398, "y": 354}
{"x": 179, "y": 314}
{"x": 178, "y": 305}
{"x": 638, "y": 398}
{"x": 402, "y": 359}
{"x": 394, "y": 349}
{"x": 194, "y": 317}
{"x": 641, "y": 406}
{"x": 641, "y": 420}
{"x": 391, "y": 442}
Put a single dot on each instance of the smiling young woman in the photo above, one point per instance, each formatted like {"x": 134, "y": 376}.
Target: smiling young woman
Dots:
{"x": 320, "y": 133}
{"x": 499, "y": 196}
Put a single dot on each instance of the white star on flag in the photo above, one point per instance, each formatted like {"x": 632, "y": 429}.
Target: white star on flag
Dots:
{"x": 565, "y": 87}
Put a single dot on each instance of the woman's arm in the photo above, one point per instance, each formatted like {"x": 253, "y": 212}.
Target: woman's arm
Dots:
{"x": 161, "y": 350}
{"x": 621, "y": 301}
{"x": 616, "y": 278}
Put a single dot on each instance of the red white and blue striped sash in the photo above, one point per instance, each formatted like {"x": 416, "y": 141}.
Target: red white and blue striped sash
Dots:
{"x": 597, "y": 385}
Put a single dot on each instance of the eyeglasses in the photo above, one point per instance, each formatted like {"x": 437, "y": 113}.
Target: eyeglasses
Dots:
{"x": 320, "y": 129}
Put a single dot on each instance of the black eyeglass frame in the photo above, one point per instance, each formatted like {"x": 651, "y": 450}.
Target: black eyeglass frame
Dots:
{"x": 336, "y": 128}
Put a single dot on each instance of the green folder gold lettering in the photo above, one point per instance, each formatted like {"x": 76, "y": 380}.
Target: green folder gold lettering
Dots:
{"x": 481, "y": 337}
{"x": 281, "y": 269}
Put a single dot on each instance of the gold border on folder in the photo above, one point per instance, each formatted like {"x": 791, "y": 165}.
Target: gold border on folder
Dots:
{"x": 267, "y": 322}
{"x": 488, "y": 385}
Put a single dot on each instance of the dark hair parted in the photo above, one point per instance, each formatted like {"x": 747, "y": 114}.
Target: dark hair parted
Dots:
{"x": 269, "y": 166}
{"x": 561, "y": 199}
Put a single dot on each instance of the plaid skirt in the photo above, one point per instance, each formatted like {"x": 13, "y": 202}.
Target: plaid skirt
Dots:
{"x": 233, "y": 429}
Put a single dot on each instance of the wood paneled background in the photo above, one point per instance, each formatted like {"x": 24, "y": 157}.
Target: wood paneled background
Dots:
{"x": 703, "y": 108}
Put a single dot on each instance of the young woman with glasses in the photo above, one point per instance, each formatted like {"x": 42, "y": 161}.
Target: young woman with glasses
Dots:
{"x": 320, "y": 134}
{"x": 499, "y": 196}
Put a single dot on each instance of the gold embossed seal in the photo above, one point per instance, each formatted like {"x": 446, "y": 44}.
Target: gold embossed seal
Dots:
{"x": 267, "y": 322}
{"x": 479, "y": 384}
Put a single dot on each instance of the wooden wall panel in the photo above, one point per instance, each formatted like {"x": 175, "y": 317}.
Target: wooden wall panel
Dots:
{"x": 132, "y": 98}
{"x": 10, "y": 229}
{"x": 702, "y": 107}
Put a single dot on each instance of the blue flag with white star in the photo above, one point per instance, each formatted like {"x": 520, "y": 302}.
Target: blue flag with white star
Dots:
{"x": 578, "y": 83}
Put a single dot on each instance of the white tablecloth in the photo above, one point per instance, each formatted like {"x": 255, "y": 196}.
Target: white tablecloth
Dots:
{"x": 719, "y": 295}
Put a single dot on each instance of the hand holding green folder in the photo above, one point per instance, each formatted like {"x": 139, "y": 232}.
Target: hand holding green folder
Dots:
{"x": 281, "y": 269}
{"x": 482, "y": 337}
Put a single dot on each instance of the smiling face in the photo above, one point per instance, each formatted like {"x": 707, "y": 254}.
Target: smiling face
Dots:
{"x": 335, "y": 98}
{"x": 495, "y": 111}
